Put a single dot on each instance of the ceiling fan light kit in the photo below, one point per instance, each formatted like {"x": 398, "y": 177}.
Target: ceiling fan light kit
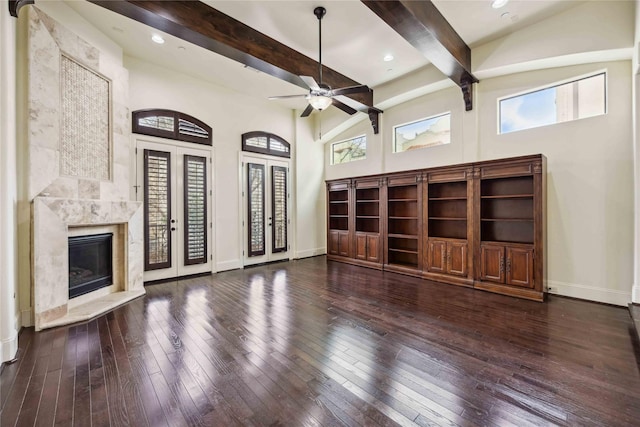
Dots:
{"x": 320, "y": 102}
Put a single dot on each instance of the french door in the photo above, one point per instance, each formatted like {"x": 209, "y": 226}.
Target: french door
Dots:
{"x": 265, "y": 199}
{"x": 175, "y": 185}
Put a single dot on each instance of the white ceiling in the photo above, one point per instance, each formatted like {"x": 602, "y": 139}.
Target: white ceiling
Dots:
{"x": 354, "y": 39}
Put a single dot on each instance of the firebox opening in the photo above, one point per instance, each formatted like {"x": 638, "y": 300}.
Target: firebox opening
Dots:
{"x": 90, "y": 263}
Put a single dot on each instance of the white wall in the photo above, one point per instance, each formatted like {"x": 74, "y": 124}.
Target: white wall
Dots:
{"x": 9, "y": 311}
{"x": 231, "y": 114}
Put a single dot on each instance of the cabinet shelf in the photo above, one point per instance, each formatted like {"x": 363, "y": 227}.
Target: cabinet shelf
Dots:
{"x": 367, "y": 217}
{"x": 403, "y": 200}
{"x": 403, "y": 217}
{"x": 339, "y": 216}
{"x": 440, "y": 218}
{"x": 446, "y": 198}
{"x": 404, "y": 251}
{"x": 337, "y": 202}
{"x": 510, "y": 196}
{"x": 507, "y": 219}
{"x": 367, "y": 201}
{"x": 403, "y": 236}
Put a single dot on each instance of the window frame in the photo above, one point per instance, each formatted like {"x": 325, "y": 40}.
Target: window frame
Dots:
{"x": 269, "y": 151}
{"x": 175, "y": 134}
{"x": 424, "y": 119}
{"x": 553, "y": 85}
{"x": 331, "y": 152}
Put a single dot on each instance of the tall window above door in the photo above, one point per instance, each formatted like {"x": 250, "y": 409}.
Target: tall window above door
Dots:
{"x": 172, "y": 125}
{"x": 265, "y": 143}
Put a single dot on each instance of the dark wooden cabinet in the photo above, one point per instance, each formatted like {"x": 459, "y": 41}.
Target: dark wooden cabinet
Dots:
{"x": 479, "y": 224}
{"x": 510, "y": 199}
{"x": 448, "y": 257}
{"x": 404, "y": 224}
{"x": 368, "y": 247}
{"x": 354, "y": 221}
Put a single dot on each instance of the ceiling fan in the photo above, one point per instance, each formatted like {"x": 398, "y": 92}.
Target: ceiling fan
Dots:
{"x": 321, "y": 95}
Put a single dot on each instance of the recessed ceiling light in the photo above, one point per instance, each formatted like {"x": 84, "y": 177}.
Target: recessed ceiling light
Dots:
{"x": 157, "y": 39}
{"x": 497, "y": 4}
{"x": 388, "y": 57}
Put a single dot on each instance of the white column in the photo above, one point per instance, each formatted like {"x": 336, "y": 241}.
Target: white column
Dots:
{"x": 8, "y": 187}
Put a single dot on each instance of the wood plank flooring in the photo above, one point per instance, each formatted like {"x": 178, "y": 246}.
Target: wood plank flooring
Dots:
{"x": 310, "y": 343}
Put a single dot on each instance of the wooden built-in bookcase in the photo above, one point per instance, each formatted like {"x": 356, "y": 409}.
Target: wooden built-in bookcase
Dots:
{"x": 480, "y": 225}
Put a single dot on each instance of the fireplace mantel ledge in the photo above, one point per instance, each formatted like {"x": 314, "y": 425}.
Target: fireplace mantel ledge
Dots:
{"x": 94, "y": 308}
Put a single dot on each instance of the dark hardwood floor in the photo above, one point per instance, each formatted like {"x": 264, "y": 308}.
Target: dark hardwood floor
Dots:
{"x": 311, "y": 343}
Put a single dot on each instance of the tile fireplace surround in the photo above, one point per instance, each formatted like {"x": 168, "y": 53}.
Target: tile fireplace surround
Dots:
{"x": 52, "y": 220}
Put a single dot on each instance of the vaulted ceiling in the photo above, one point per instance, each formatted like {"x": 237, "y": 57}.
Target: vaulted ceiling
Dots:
{"x": 355, "y": 40}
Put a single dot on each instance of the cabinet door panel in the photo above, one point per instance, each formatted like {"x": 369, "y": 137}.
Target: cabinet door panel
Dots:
{"x": 343, "y": 244}
{"x": 361, "y": 246}
{"x": 457, "y": 262}
{"x": 333, "y": 242}
{"x": 519, "y": 267}
{"x": 373, "y": 248}
{"x": 437, "y": 256}
{"x": 492, "y": 263}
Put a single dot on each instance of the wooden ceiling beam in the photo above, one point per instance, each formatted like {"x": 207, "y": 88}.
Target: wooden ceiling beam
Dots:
{"x": 422, "y": 25}
{"x": 202, "y": 25}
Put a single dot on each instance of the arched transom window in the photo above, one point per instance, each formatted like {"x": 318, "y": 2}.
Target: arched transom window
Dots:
{"x": 265, "y": 143}
{"x": 171, "y": 124}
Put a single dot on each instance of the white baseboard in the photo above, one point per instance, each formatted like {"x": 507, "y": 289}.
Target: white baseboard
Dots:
{"x": 635, "y": 294}
{"x": 310, "y": 252}
{"x": 9, "y": 347}
{"x": 228, "y": 265}
{"x": 26, "y": 318}
{"x": 591, "y": 293}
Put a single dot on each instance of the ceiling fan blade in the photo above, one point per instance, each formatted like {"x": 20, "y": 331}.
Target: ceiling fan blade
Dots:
{"x": 351, "y": 89}
{"x": 287, "y": 96}
{"x": 307, "y": 111}
{"x": 351, "y": 103}
{"x": 343, "y": 107}
{"x": 311, "y": 82}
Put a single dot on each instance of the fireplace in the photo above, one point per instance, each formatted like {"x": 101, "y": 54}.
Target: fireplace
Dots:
{"x": 90, "y": 263}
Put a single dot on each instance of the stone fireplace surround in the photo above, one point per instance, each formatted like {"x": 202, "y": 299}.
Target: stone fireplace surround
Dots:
{"x": 53, "y": 220}
{"x": 62, "y": 199}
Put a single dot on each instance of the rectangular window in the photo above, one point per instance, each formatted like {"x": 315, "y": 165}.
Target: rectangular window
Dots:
{"x": 423, "y": 133}
{"x": 577, "y": 99}
{"x": 349, "y": 150}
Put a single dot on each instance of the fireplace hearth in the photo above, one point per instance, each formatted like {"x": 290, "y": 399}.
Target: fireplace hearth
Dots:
{"x": 90, "y": 263}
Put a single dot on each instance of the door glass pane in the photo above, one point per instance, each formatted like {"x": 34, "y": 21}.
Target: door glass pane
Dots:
{"x": 157, "y": 206}
{"x": 256, "y": 209}
{"x": 195, "y": 210}
{"x": 279, "y": 208}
